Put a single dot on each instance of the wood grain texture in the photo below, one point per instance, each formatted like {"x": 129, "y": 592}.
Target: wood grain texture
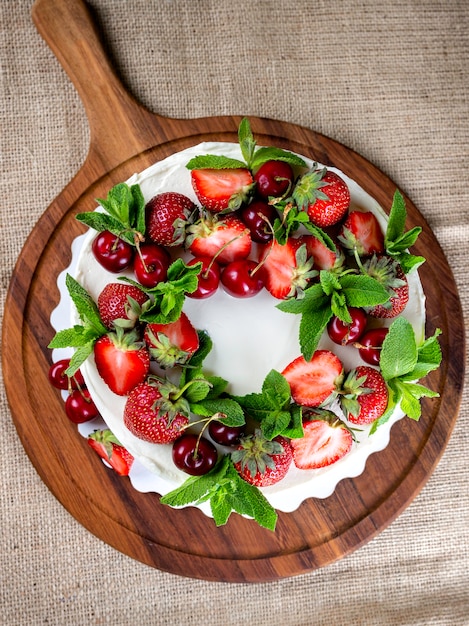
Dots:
{"x": 185, "y": 542}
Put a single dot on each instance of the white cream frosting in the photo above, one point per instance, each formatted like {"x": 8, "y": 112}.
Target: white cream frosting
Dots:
{"x": 250, "y": 336}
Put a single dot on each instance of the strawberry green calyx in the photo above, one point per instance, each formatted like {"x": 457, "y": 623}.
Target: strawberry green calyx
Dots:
{"x": 302, "y": 273}
{"x": 255, "y": 453}
{"x": 107, "y": 438}
{"x": 308, "y": 189}
{"x": 134, "y": 311}
{"x": 165, "y": 352}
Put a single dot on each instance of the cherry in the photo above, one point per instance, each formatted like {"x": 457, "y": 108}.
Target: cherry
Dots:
{"x": 370, "y": 345}
{"x": 111, "y": 252}
{"x": 209, "y": 277}
{"x": 225, "y": 435}
{"x": 343, "y": 334}
{"x": 273, "y": 178}
{"x": 240, "y": 280}
{"x": 194, "y": 455}
{"x": 79, "y": 407}
{"x": 60, "y": 380}
{"x": 151, "y": 264}
{"x": 255, "y": 215}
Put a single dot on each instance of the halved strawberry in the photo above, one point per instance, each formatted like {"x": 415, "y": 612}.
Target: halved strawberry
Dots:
{"x": 324, "y": 258}
{"x": 314, "y": 382}
{"x": 362, "y": 233}
{"x": 105, "y": 444}
{"x": 324, "y": 195}
{"x": 227, "y": 238}
{"x": 121, "y": 304}
{"x": 222, "y": 189}
{"x": 326, "y": 440}
{"x": 286, "y": 268}
{"x": 167, "y": 215}
{"x": 262, "y": 462}
{"x": 153, "y": 416}
{"x": 390, "y": 274}
{"x": 173, "y": 343}
{"x": 122, "y": 360}
{"x": 364, "y": 395}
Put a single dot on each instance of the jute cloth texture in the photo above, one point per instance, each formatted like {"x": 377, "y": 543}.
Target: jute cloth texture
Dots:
{"x": 388, "y": 79}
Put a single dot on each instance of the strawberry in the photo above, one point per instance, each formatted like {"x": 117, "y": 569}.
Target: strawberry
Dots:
{"x": 105, "y": 444}
{"x": 324, "y": 195}
{"x": 362, "y": 233}
{"x": 314, "y": 382}
{"x": 286, "y": 269}
{"x": 120, "y": 304}
{"x": 172, "y": 343}
{"x": 167, "y": 215}
{"x": 326, "y": 440}
{"x": 324, "y": 258}
{"x": 391, "y": 275}
{"x": 121, "y": 360}
{"x": 152, "y": 415}
{"x": 262, "y": 462}
{"x": 222, "y": 189}
{"x": 225, "y": 238}
{"x": 364, "y": 395}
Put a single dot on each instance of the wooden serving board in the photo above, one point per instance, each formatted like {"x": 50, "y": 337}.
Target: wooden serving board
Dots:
{"x": 126, "y": 138}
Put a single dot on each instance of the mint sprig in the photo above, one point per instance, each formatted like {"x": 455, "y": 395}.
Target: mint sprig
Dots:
{"x": 332, "y": 295}
{"x": 397, "y": 240}
{"x": 82, "y": 337}
{"x": 402, "y": 363}
{"x": 123, "y": 216}
{"x": 227, "y": 492}
{"x": 273, "y": 409}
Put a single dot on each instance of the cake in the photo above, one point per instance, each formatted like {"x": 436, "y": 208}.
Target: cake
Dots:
{"x": 261, "y": 337}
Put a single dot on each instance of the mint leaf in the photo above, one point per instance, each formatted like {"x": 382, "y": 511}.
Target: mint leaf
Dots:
{"x": 246, "y": 141}
{"x": 312, "y": 325}
{"x": 263, "y": 155}
{"x": 230, "y": 411}
{"x": 399, "y": 351}
{"x": 397, "y": 218}
{"x": 214, "y": 162}
{"x": 361, "y": 290}
{"x": 397, "y": 241}
{"x": 85, "y": 305}
{"x": 248, "y": 500}
{"x": 101, "y": 221}
{"x": 428, "y": 358}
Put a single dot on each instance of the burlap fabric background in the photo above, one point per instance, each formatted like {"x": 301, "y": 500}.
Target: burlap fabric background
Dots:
{"x": 390, "y": 80}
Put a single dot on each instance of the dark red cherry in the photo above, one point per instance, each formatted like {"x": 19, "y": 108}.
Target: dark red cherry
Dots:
{"x": 60, "y": 380}
{"x": 240, "y": 279}
{"x": 79, "y": 407}
{"x": 151, "y": 264}
{"x": 225, "y": 435}
{"x": 273, "y": 178}
{"x": 371, "y": 342}
{"x": 342, "y": 333}
{"x": 209, "y": 277}
{"x": 259, "y": 217}
{"x": 193, "y": 455}
{"x": 111, "y": 252}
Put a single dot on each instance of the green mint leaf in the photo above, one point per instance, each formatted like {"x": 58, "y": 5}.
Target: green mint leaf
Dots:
{"x": 248, "y": 500}
{"x": 231, "y": 412}
{"x": 409, "y": 262}
{"x": 246, "y": 141}
{"x": 428, "y": 358}
{"x": 339, "y": 307}
{"x": 102, "y": 221}
{"x": 294, "y": 430}
{"x": 397, "y": 241}
{"x": 404, "y": 241}
{"x": 399, "y": 351}
{"x": 329, "y": 282}
{"x": 410, "y": 398}
{"x": 314, "y": 298}
{"x": 214, "y": 162}
{"x": 263, "y": 155}
{"x": 79, "y": 357}
{"x": 361, "y": 290}
{"x": 118, "y": 203}
{"x": 138, "y": 209}
{"x": 205, "y": 347}
{"x": 218, "y": 386}
{"x": 198, "y": 389}
{"x": 312, "y": 325}
{"x": 85, "y": 305}
{"x": 74, "y": 337}
{"x": 397, "y": 218}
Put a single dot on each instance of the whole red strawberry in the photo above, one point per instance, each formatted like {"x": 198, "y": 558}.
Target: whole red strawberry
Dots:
{"x": 167, "y": 216}
{"x": 121, "y": 304}
{"x": 361, "y": 232}
{"x": 172, "y": 343}
{"x": 152, "y": 416}
{"x": 326, "y": 440}
{"x": 227, "y": 239}
{"x": 222, "y": 189}
{"x": 315, "y": 381}
{"x": 324, "y": 195}
{"x": 260, "y": 461}
{"x": 105, "y": 444}
{"x": 391, "y": 275}
{"x": 364, "y": 395}
{"x": 323, "y": 257}
{"x": 122, "y": 360}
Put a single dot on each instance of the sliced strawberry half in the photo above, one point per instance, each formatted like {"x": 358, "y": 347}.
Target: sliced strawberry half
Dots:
{"x": 225, "y": 238}
{"x": 173, "y": 343}
{"x": 108, "y": 448}
{"x": 314, "y": 382}
{"x": 326, "y": 440}
{"x": 324, "y": 258}
{"x": 364, "y": 395}
{"x": 222, "y": 189}
{"x": 286, "y": 268}
{"x": 361, "y": 232}
{"x": 122, "y": 360}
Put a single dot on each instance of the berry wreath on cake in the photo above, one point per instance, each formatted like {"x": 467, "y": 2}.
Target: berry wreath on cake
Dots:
{"x": 239, "y": 329}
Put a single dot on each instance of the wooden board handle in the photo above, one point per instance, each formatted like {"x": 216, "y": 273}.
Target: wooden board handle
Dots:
{"x": 119, "y": 125}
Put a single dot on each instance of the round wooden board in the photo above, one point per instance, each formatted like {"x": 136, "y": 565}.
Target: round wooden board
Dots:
{"x": 185, "y": 542}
